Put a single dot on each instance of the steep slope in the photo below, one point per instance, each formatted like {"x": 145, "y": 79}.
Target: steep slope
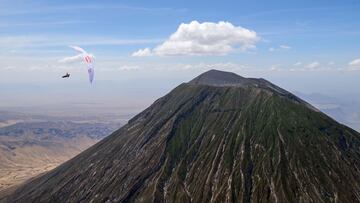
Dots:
{"x": 207, "y": 141}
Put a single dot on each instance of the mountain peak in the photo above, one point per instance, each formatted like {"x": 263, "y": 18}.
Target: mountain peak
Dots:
{"x": 228, "y": 79}
{"x": 225, "y": 79}
{"x": 219, "y": 78}
{"x": 202, "y": 143}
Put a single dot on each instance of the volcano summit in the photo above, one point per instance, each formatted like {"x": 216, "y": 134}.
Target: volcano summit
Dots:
{"x": 217, "y": 138}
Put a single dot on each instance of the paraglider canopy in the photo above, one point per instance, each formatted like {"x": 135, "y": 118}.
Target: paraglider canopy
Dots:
{"x": 88, "y": 59}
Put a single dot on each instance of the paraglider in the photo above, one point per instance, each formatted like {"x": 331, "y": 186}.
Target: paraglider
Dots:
{"x": 88, "y": 59}
{"x": 67, "y": 75}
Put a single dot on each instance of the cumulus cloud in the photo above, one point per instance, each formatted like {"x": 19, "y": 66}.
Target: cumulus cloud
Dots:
{"x": 206, "y": 38}
{"x": 354, "y": 64}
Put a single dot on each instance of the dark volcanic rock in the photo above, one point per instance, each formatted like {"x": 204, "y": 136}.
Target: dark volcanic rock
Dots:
{"x": 218, "y": 138}
{"x": 220, "y": 78}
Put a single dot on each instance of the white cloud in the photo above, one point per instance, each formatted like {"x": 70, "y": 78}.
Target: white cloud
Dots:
{"x": 7, "y": 68}
{"x": 207, "y": 66}
{"x": 297, "y": 63}
{"x": 281, "y": 47}
{"x": 313, "y": 65}
{"x": 71, "y": 59}
{"x": 285, "y": 46}
{"x": 354, "y": 64}
{"x": 128, "y": 68}
{"x": 275, "y": 67}
{"x": 141, "y": 66}
{"x": 299, "y": 66}
{"x": 206, "y": 38}
{"x": 142, "y": 52}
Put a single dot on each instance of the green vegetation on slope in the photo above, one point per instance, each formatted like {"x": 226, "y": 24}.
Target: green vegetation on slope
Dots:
{"x": 203, "y": 143}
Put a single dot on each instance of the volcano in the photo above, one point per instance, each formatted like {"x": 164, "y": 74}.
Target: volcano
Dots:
{"x": 218, "y": 138}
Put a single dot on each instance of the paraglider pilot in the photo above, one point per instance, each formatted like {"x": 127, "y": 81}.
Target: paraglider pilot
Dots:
{"x": 66, "y": 75}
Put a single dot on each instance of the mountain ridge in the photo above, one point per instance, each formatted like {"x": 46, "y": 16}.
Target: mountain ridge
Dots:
{"x": 219, "y": 78}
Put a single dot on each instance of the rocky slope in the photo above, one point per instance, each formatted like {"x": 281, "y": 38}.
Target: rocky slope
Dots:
{"x": 218, "y": 138}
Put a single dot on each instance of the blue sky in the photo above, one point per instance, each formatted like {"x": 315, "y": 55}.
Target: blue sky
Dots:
{"x": 307, "y": 46}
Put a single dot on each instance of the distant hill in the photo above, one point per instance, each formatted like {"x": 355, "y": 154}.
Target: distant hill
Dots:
{"x": 30, "y": 148}
{"x": 218, "y": 138}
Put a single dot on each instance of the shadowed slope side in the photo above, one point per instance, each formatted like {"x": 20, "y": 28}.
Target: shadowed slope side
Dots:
{"x": 210, "y": 143}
